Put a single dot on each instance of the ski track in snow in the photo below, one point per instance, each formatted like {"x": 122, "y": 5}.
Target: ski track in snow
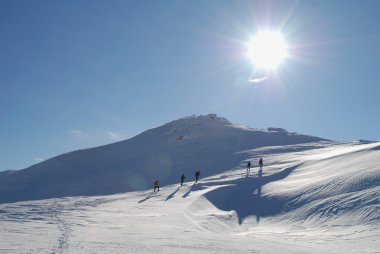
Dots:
{"x": 64, "y": 231}
{"x": 320, "y": 200}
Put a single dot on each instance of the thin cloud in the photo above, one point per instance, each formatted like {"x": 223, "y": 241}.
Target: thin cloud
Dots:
{"x": 257, "y": 80}
{"x": 114, "y": 136}
{"x": 79, "y": 133}
{"x": 96, "y": 137}
{"x": 38, "y": 159}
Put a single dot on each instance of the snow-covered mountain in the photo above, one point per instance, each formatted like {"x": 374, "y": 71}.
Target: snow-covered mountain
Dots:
{"x": 316, "y": 197}
{"x": 209, "y": 143}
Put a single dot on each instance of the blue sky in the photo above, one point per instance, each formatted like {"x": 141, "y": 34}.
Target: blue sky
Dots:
{"x": 78, "y": 74}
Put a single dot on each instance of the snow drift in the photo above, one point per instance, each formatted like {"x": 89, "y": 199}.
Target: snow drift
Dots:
{"x": 319, "y": 197}
{"x": 336, "y": 185}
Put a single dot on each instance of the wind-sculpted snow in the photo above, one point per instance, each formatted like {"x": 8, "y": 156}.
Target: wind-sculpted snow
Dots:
{"x": 209, "y": 143}
{"x": 309, "y": 198}
{"x": 244, "y": 196}
{"x": 337, "y": 185}
{"x": 341, "y": 187}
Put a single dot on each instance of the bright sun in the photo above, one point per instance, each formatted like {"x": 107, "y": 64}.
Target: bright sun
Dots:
{"x": 267, "y": 49}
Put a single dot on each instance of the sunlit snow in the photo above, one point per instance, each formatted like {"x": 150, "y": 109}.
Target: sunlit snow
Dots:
{"x": 312, "y": 196}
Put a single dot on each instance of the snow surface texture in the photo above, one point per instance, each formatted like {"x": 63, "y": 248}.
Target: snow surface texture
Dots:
{"x": 310, "y": 197}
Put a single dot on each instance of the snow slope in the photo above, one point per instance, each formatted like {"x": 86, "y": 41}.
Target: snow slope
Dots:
{"x": 317, "y": 197}
{"x": 209, "y": 143}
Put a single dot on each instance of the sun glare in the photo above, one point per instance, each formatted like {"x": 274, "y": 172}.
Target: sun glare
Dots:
{"x": 267, "y": 49}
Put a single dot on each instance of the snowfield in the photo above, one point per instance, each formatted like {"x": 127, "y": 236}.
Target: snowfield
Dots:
{"x": 311, "y": 197}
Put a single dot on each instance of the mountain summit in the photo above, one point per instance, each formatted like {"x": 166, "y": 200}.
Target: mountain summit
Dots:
{"x": 207, "y": 143}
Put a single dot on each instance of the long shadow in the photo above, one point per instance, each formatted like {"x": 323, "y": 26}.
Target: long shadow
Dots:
{"x": 148, "y": 197}
{"x": 259, "y": 179}
{"x": 172, "y": 195}
{"x": 245, "y": 196}
{"x": 190, "y": 190}
{"x": 194, "y": 187}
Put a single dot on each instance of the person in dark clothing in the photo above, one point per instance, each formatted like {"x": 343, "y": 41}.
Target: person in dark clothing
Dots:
{"x": 197, "y": 174}
{"x": 261, "y": 163}
{"x": 156, "y": 186}
{"x": 248, "y": 167}
{"x": 182, "y": 179}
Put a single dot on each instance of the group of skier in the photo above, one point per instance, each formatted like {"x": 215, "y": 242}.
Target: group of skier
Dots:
{"x": 261, "y": 164}
{"x": 198, "y": 173}
{"x": 183, "y": 177}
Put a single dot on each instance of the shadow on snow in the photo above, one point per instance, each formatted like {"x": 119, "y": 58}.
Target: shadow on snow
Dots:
{"x": 245, "y": 196}
{"x": 148, "y": 197}
{"x": 172, "y": 195}
{"x": 195, "y": 187}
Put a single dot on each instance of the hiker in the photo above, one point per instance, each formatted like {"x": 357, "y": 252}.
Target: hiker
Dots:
{"x": 261, "y": 163}
{"x": 248, "y": 167}
{"x": 156, "y": 186}
{"x": 197, "y": 174}
{"x": 182, "y": 179}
